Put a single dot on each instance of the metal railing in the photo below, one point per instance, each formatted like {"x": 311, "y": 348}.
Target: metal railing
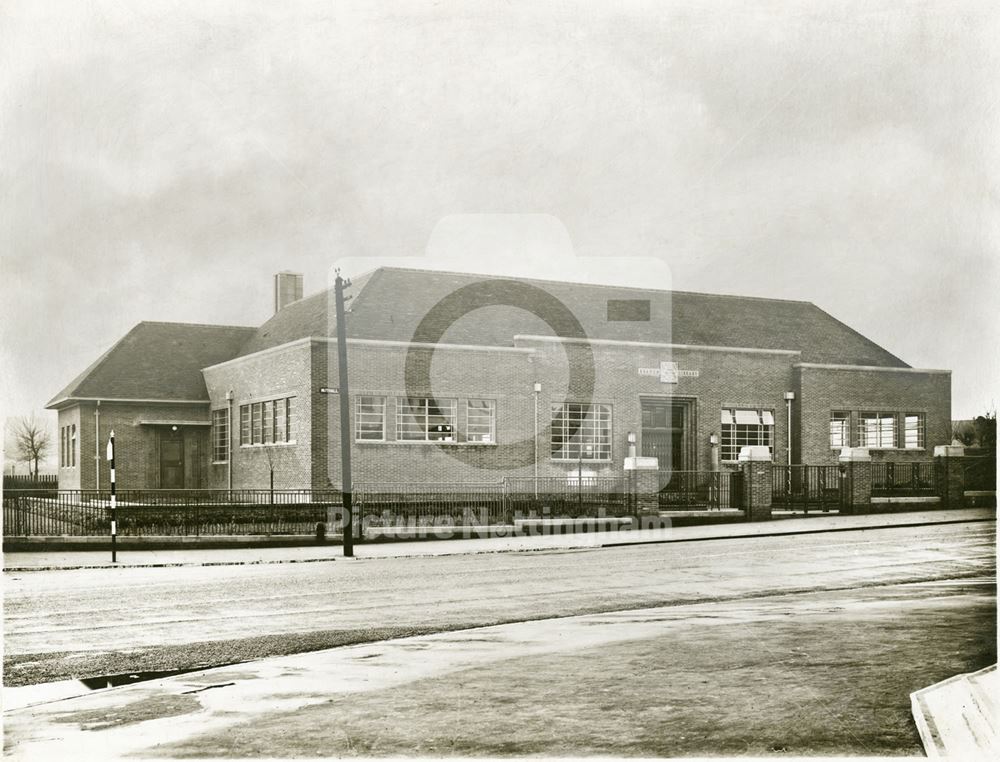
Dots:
{"x": 805, "y": 488}
{"x": 85, "y": 513}
{"x": 431, "y": 504}
{"x": 920, "y": 479}
{"x": 700, "y": 490}
{"x": 566, "y": 497}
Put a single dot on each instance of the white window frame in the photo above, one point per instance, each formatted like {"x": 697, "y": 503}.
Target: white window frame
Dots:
{"x": 874, "y": 437}
{"x": 220, "y": 435}
{"x": 843, "y": 428}
{"x": 246, "y": 431}
{"x": 592, "y": 440}
{"x": 267, "y": 422}
{"x": 374, "y": 415}
{"x": 414, "y": 416}
{"x": 290, "y": 419}
{"x": 259, "y": 422}
{"x": 737, "y": 431}
{"x": 481, "y": 421}
{"x": 919, "y": 431}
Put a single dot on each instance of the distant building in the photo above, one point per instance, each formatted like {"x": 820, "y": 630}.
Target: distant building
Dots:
{"x": 457, "y": 377}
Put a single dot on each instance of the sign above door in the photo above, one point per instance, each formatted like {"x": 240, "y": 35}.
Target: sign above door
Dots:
{"x": 668, "y": 372}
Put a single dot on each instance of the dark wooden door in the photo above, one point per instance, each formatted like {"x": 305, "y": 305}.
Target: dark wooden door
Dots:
{"x": 171, "y": 460}
{"x": 663, "y": 430}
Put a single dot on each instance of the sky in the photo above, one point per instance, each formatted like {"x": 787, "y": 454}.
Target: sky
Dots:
{"x": 160, "y": 161}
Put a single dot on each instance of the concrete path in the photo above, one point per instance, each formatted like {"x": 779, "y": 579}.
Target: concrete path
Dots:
{"x": 43, "y": 560}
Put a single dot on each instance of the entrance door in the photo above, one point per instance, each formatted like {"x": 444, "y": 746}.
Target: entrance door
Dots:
{"x": 664, "y": 426}
{"x": 171, "y": 460}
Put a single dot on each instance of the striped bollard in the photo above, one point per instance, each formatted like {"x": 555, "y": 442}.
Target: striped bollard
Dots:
{"x": 114, "y": 517}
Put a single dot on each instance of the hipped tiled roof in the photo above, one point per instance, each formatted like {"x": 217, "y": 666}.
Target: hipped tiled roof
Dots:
{"x": 390, "y": 302}
{"x": 164, "y": 361}
{"x": 157, "y": 361}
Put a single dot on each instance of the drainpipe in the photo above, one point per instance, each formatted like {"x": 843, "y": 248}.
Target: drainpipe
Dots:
{"x": 229, "y": 444}
{"x": 97, "y": 446}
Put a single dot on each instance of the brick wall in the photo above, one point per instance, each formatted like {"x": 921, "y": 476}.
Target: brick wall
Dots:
{"x": 732, "y": 380}
{"x": 137, "y": 455}
{"x": 282, "y": 372}
{"x": 70, "y": 476}
{"x": 726, "y": 379}
{"x": 820, "y": 391}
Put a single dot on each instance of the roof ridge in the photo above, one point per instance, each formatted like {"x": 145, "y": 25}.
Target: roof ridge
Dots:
{"x": 595, "y": 285}
{"x": 194, "y": 325}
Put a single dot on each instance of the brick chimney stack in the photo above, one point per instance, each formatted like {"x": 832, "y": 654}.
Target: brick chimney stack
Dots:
{"x": 287, "y": 289}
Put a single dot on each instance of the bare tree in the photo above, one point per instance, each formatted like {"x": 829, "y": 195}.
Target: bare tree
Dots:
{"x": 32, "y": 442}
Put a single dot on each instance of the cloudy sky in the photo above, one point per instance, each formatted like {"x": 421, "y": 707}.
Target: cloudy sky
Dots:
{"x": 161, "y": 161}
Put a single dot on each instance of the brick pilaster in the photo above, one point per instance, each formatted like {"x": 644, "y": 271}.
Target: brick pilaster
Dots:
{"x": 948, "y": 459}
{"x": 856, "y": 481}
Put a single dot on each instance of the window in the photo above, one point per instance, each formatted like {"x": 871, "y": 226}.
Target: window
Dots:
{"x": 480, "y": 420}
{"x": 369, "y": 419}
{"x": 280, "y": 429}
{"x": 62, "y": 446}
{"x": 220, "y": 436}
{"x": 421, "y": 419}
{"x": 267, "y": 428}
{"x": 256, "y": 422}
{"x": 268, "y": 422}
{"x": 72, "y": 445}
{"x": 581, "y": 432}
{"x": 840, "y": 429}
{"x": 745, "y": 428}
{"x": 877, "y": 431}
{"x": 245, "y": 425}
{"x": 913, "y": 431}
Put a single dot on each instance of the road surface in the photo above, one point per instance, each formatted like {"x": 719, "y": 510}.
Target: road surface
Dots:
{"x": 74, "y": 624}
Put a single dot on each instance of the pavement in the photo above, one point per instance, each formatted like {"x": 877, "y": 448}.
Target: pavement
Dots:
{"x": 99, "y": 559}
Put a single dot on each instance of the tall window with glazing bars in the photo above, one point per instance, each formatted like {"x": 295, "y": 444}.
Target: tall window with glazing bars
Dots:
{"x": 220, "y": 435}
{"x": 742, "y": 428}
{"x": 267, "y": 422}
{"x": 581, "y": 431}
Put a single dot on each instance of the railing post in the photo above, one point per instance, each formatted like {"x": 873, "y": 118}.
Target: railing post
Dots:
{"x": 858, "y": 465}
{"x": 646, "y": 481}
{"x": 756, "y": 465}
{"x": 949, "y": 458}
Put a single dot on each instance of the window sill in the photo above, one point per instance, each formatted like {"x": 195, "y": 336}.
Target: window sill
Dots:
{"x": 421, "y": 443}
{"x": 220, "y": 462}
{"x": 269, "y": 444}
{"x": 584, "y": 461}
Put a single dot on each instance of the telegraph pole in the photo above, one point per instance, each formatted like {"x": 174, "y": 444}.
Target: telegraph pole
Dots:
{"x": 345, "y": 417}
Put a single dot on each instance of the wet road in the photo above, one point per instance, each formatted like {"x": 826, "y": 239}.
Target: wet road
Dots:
{"x": 810, "y": 673}
{"x": 82, "y": 613}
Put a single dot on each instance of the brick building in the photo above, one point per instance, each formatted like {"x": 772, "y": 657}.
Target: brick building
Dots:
{"x": 460, "y": 378}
